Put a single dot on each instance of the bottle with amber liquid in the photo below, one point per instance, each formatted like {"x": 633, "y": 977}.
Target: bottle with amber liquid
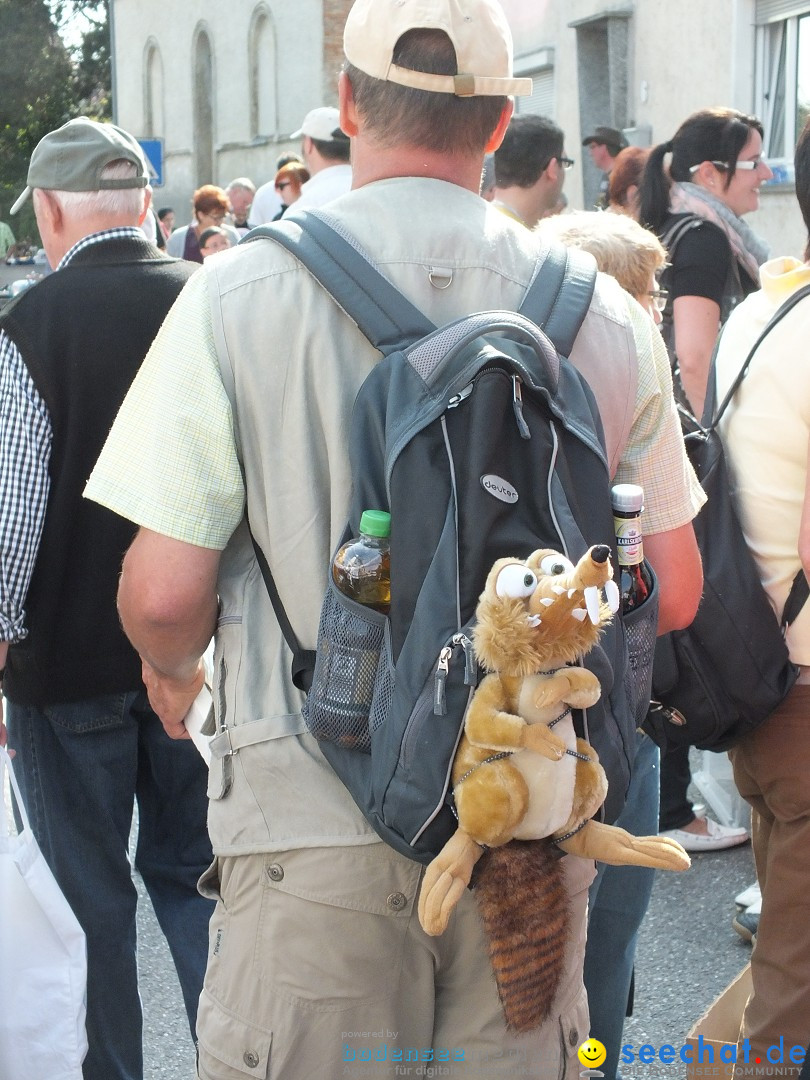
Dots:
{"x": 636, "y": 578}
{"x": 362, "y": 567}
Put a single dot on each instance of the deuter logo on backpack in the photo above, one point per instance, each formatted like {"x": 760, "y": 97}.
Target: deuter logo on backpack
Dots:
{"x": 500, "y": 488}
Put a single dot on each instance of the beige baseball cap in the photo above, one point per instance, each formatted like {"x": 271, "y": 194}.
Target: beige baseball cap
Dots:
{"x": 72, "y": 157}
{"x": 477, "y": 28}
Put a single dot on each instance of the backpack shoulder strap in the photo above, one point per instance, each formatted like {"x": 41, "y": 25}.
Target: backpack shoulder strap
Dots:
{"x": 678, "y": 229}
{"x": 560, "y": 293}
{"x": 339, "y": 264}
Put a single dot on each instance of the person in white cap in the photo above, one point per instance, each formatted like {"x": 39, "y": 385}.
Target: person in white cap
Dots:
{"x": 325, "y": 150}
{"x": 318, "y": 965}
{"x": 88, "y": 746}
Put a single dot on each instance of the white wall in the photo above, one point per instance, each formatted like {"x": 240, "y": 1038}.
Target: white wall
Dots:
{"x": 683, "y": 56}
{"x": 299, "y": 38}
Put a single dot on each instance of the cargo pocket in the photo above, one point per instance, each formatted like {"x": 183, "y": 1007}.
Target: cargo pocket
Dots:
{"x": 333, "y": 926}
{"x": 350, "y": 641}
{"x": 230, "y": 1048}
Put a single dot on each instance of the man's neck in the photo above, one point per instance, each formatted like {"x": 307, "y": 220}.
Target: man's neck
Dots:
{"x": 371, "y": 163}
{"x": 522, "y": 202}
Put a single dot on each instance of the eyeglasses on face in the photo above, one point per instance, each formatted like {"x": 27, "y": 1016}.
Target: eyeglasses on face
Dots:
{"x": 659, "y": 298}
{"x": 213, "y": 215}
{"x": 566, "y": 162}
{"x": 746, "y": 166}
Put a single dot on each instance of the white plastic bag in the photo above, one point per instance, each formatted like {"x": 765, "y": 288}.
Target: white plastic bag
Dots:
{"x": 43, "y": 960}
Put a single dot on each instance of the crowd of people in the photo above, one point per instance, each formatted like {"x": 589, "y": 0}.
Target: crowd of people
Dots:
{"x": 209, "y": 434}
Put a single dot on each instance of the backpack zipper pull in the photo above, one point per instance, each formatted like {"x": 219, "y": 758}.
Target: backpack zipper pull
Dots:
{"x": 462, "y": 395}
{"x": 470, "y": 663}
{"x": 442, "y": 668}
{"x": 517, "y": 405}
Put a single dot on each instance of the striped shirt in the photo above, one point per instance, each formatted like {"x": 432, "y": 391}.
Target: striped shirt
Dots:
{"x": 25, "y": 449}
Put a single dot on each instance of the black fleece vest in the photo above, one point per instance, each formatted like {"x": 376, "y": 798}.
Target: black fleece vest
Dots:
{"x": 83, "y": 333}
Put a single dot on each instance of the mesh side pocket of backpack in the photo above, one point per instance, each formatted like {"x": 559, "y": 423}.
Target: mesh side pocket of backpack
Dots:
{"x": 350, "y": 641}
{"x": 641, "y": 630}
{"x": 383, "y": 683}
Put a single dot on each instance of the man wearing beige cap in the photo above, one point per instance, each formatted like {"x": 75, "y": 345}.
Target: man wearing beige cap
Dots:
{"x": 87, "y": 744}
{"x": 318, "y": 965}
{"x": 325, "y": 150}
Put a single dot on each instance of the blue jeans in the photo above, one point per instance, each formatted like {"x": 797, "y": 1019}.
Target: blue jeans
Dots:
{"x": 80, "y": 768}
{"x": 618, "y": 901}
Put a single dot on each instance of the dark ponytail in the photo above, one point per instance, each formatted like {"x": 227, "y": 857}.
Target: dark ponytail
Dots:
{"x": 653, "y": 192}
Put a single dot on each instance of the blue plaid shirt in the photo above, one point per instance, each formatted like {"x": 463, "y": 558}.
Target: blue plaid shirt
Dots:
{"x": 25, "y": 450}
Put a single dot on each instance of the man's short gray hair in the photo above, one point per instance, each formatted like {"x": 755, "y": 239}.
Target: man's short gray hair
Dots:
{"x": 243, "y": 182}
{"x": 115, "y": 202}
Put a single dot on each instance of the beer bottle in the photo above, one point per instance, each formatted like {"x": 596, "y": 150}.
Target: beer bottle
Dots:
{"x": 636, "y": 579}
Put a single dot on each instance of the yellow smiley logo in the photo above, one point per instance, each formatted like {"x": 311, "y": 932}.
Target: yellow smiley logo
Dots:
{"x": 592, "y": 1054}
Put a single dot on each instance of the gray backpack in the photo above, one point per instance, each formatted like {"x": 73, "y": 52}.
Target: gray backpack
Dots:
{"x": 482, "y": 441}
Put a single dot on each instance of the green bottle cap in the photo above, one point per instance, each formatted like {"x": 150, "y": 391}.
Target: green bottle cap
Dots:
{"x": 375, "y": 523}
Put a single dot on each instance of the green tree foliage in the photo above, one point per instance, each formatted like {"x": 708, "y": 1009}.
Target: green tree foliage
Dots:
{"x": 90, "y": 22}
{"x": 38, "y": 93}
{"x": 45, "y": 82}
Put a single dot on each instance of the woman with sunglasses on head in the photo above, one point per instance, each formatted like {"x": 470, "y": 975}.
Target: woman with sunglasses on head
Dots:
{"x": 696, "y": 209}
{"x": 289, "y": 180}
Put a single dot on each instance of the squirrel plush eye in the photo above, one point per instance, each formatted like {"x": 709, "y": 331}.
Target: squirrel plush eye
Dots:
{"x": 556, "y": 564}
{"x": 515, "y": 581}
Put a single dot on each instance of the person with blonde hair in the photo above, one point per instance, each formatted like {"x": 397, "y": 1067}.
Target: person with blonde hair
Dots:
{"x": 619, "y": 896}
{"x": 621, "y": 247}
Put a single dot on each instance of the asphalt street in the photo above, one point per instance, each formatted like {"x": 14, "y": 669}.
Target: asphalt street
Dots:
{"x": 688, "y": 953}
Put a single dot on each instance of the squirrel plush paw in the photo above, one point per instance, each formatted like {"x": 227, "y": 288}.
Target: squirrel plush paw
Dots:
{"x": 445, "y": 880}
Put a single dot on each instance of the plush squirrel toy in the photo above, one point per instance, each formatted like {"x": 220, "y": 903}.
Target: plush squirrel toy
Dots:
{"x": 520, "y": 774}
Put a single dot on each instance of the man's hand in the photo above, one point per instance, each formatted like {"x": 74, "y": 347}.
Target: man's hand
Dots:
{"x": 172, "y": 698}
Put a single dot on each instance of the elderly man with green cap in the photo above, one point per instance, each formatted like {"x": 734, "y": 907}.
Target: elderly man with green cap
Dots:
{"x": 88, "y": 746}
{"x": 318, "y": 965}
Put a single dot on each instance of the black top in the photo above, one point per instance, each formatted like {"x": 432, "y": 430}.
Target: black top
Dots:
{"x": 702, "y": 261}
{"x": 83, "y": 333}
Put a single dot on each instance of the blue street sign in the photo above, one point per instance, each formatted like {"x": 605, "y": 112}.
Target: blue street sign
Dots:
{"x": 153, "y": 149}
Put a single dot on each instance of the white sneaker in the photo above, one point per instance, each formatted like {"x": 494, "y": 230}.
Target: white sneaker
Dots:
{"x": 716, "y": 838}
{"x": 748, "y": 896}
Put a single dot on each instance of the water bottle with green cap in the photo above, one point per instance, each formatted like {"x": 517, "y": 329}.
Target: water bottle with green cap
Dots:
{"x": 362, "y": 567}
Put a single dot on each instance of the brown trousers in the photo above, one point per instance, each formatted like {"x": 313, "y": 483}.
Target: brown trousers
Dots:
{"x": 772, "y": 772}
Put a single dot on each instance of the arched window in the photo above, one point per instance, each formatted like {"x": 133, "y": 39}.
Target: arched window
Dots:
{"x": 262, "y": 68}
{"x": 203, "y": 97}
{"x": 153, "y": 114}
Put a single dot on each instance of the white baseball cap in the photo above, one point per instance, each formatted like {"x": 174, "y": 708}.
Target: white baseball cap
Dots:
{"x": 477, "y": 28}
{"x": 322, "y": 124}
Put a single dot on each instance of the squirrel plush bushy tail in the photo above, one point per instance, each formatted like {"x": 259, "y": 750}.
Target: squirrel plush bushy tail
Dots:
{"x": 523, "y": 903}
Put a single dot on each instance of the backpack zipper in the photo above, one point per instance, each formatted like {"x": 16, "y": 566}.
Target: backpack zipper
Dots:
{"x": 443, "y": 669}
{"x": 517, "y": 397}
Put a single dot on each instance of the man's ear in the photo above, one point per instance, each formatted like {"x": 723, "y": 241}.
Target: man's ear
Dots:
{"x": 147, "y": 202}
{"x": 348, "y": 109}
{"x": 496, "y": 138}
{"x": 47, "y": 210}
